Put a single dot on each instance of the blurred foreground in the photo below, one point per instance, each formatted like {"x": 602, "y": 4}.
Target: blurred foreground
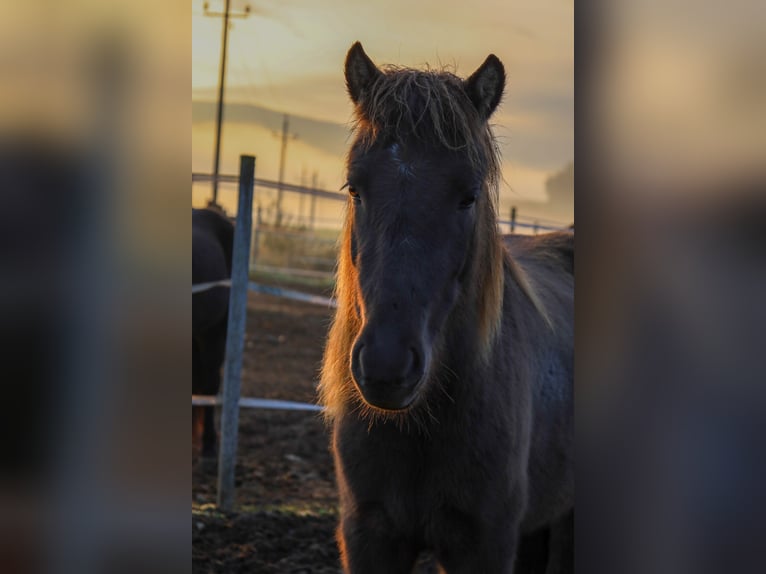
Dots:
{"x": 671, "y": 255}
{"x": 94, "y": 266}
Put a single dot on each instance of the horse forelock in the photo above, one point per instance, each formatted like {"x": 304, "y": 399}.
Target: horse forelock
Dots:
{"x": 430, "y": 106}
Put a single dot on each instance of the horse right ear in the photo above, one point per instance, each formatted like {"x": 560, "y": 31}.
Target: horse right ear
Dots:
{"x": 361, "y": 73}
{"x": 485, "y": 86}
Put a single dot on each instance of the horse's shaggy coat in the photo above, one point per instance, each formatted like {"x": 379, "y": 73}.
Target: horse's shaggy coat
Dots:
{"x": 448, "y": 368}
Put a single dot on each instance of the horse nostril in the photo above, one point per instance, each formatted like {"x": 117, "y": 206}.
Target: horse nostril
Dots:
{"x": 358, "y": 358}
{"x": 414, "y": 365}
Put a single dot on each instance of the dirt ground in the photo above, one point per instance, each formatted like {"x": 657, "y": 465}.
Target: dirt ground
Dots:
{"x": 286, "y": 498}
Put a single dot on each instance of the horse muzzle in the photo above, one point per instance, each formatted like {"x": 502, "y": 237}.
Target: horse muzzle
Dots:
{"x": 387, "y": 373}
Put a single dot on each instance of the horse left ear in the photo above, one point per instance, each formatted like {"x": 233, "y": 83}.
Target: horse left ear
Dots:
{"x": 485, "y": 86}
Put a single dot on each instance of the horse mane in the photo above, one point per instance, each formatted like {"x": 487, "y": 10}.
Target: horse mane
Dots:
{"x": 552, "y": 250}
{"x": 336, "y": 388}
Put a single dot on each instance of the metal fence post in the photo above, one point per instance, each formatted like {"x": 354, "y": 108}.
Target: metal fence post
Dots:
{"x": 235, "y": 335}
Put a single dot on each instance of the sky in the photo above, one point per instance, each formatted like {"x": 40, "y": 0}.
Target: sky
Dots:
{"x": 287, "y": 57}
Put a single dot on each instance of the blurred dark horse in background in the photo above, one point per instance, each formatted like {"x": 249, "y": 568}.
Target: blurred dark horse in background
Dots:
{"x": 448, "y": 368}
{"x": 212, "y": 244}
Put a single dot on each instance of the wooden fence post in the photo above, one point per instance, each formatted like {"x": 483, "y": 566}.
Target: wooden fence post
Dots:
{"x": 235, "y": 335}
{"x": 513, "y": 219}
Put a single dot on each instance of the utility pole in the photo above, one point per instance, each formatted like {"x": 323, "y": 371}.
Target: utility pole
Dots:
{"x": 314, "y": 186}
{"x": 227, "y": 15}
{"x": 302, "y": 198}
{"x": 286, "y": 135}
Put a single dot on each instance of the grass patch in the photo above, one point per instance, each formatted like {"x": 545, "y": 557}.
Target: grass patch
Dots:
{"x": 294, "y": 509}
{"x": 326, "y": 284}
{"x": 210, "y": 510}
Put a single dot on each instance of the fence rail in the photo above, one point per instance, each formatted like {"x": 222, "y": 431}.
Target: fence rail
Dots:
{"x": 205, "y": 177}
{"x": 254, "y": 403}
{"x": 268, "y": 290}
{"x": 534, "y": 226}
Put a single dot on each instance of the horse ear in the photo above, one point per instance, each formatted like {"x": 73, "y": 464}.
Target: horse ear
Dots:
{"x": 485, "y": 86}
{"x": 361, "y": 72}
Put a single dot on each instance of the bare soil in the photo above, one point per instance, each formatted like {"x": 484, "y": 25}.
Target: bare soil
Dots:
{"x": 286, "y": 495}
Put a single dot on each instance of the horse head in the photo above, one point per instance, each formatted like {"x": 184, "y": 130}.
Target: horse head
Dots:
{"x": 420, "y": 242}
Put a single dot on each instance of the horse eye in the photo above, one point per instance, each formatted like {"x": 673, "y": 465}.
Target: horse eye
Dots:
{"x": 467, "y": 202}
{"x": 352, "y": 191}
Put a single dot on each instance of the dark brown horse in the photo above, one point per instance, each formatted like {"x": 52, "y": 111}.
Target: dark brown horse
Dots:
{"x": 448, "y": 368}
{"x": 212, "y": 244}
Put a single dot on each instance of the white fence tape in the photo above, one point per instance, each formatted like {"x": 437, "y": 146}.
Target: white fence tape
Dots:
{"x": 200, "y": 287}
{"x": 269, "y": 290}
{"x": 253, "y": 403}
{"x": 289, "y": 294}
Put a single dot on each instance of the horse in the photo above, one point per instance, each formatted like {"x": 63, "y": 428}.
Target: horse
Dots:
{"x": 447, "y": 375}
{"x": 212, "y": 245}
